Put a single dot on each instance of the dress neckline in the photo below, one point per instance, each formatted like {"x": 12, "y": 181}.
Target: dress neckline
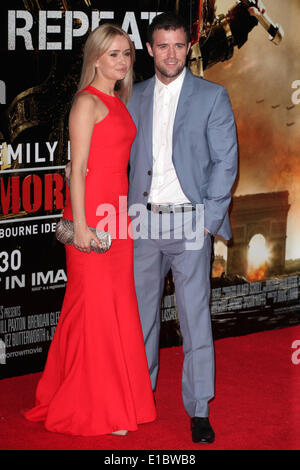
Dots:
{"x": 102, "y": 92}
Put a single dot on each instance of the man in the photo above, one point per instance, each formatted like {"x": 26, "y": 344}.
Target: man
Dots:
{"x": 185, "y": 154}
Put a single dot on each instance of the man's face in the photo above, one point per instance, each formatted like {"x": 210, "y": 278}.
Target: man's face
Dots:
{"x": 169, "y": 51}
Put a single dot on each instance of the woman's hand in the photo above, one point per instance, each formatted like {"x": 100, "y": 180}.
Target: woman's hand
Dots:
{"x": 83, "y": 237}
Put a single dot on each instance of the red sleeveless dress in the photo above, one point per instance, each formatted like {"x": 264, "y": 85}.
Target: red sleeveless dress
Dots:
{"x": 96, "y": 377}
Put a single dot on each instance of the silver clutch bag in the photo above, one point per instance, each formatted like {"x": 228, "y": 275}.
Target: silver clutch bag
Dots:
{"x": 65, "y": 234}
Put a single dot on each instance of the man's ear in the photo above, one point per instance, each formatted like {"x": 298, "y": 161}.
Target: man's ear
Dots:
{"x": 149, "y": 48}
{"x": 189, "y": 46}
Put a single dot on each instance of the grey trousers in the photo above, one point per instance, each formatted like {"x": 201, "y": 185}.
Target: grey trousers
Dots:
{"x": 154, "y": 254}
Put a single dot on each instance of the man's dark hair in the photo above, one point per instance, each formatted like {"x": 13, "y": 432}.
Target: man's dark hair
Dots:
{"x": 167, "y": 21}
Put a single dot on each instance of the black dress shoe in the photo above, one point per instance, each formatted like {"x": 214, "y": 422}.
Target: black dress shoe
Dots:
{"x": 202, "y": 432}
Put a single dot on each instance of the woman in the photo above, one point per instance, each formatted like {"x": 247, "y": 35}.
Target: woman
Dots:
{"x": 96, "y": 378}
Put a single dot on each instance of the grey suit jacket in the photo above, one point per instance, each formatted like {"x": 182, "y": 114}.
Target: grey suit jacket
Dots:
{"x": 204, "y": 148}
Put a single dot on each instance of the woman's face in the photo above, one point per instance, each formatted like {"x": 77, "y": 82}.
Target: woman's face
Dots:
{"x": 115, "y": 62}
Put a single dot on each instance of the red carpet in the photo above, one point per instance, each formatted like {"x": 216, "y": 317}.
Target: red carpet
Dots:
{"x": 257, "y": 403}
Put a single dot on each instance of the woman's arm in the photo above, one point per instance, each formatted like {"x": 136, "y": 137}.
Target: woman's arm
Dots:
{"x": 84, "y": 113}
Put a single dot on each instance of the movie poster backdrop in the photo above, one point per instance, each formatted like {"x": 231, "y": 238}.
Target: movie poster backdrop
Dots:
{"x": 255, "y": 278}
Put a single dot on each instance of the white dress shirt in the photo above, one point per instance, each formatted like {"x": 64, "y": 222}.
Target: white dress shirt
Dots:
{"x": 165, "y": 187}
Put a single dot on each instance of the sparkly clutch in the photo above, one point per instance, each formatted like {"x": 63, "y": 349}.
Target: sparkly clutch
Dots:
{"x": 65, "y": 234}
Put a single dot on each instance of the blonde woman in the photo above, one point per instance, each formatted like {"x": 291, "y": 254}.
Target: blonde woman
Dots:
{"x": 96, "y": 378}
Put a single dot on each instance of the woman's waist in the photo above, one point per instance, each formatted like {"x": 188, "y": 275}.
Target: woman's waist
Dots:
{"x": 102, "y": 180}
{"x": 120, "y": 170}
{"x": 96, "y": 212}
{"x": 102, "y": 201}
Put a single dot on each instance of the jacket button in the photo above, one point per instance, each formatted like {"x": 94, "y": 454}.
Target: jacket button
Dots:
{"x": 145, "y": 193}
{"x": 149, "y": 172}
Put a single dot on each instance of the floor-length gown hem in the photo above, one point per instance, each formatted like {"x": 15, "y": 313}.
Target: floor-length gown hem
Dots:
{"x": 100, "y": 432}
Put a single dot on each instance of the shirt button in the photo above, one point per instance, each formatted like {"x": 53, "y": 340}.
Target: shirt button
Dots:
{"x": 145, "y": 193}
{"x": 149, "y": 172}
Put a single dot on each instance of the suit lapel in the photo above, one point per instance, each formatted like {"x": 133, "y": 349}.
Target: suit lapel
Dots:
{"x": 146, "y": 117}
{"x": 183, "y": 106}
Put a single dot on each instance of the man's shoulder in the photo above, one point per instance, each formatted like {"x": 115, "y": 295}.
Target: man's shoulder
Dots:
{"x": 208, "y": 86}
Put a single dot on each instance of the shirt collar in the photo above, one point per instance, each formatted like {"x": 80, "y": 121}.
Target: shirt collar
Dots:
{"x": 174, "y": 87}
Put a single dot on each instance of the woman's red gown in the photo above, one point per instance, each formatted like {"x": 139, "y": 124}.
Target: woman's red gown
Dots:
{"x": 96, "y": 378}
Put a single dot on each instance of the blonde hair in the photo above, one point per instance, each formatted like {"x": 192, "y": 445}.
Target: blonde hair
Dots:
{"x": 96, "y": 45}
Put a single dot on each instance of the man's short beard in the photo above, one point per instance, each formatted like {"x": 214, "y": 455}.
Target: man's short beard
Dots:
{"x": 167, "y": 74}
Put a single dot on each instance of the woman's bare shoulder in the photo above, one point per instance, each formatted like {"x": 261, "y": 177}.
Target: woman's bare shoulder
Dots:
{"x": 87, "y": 102}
